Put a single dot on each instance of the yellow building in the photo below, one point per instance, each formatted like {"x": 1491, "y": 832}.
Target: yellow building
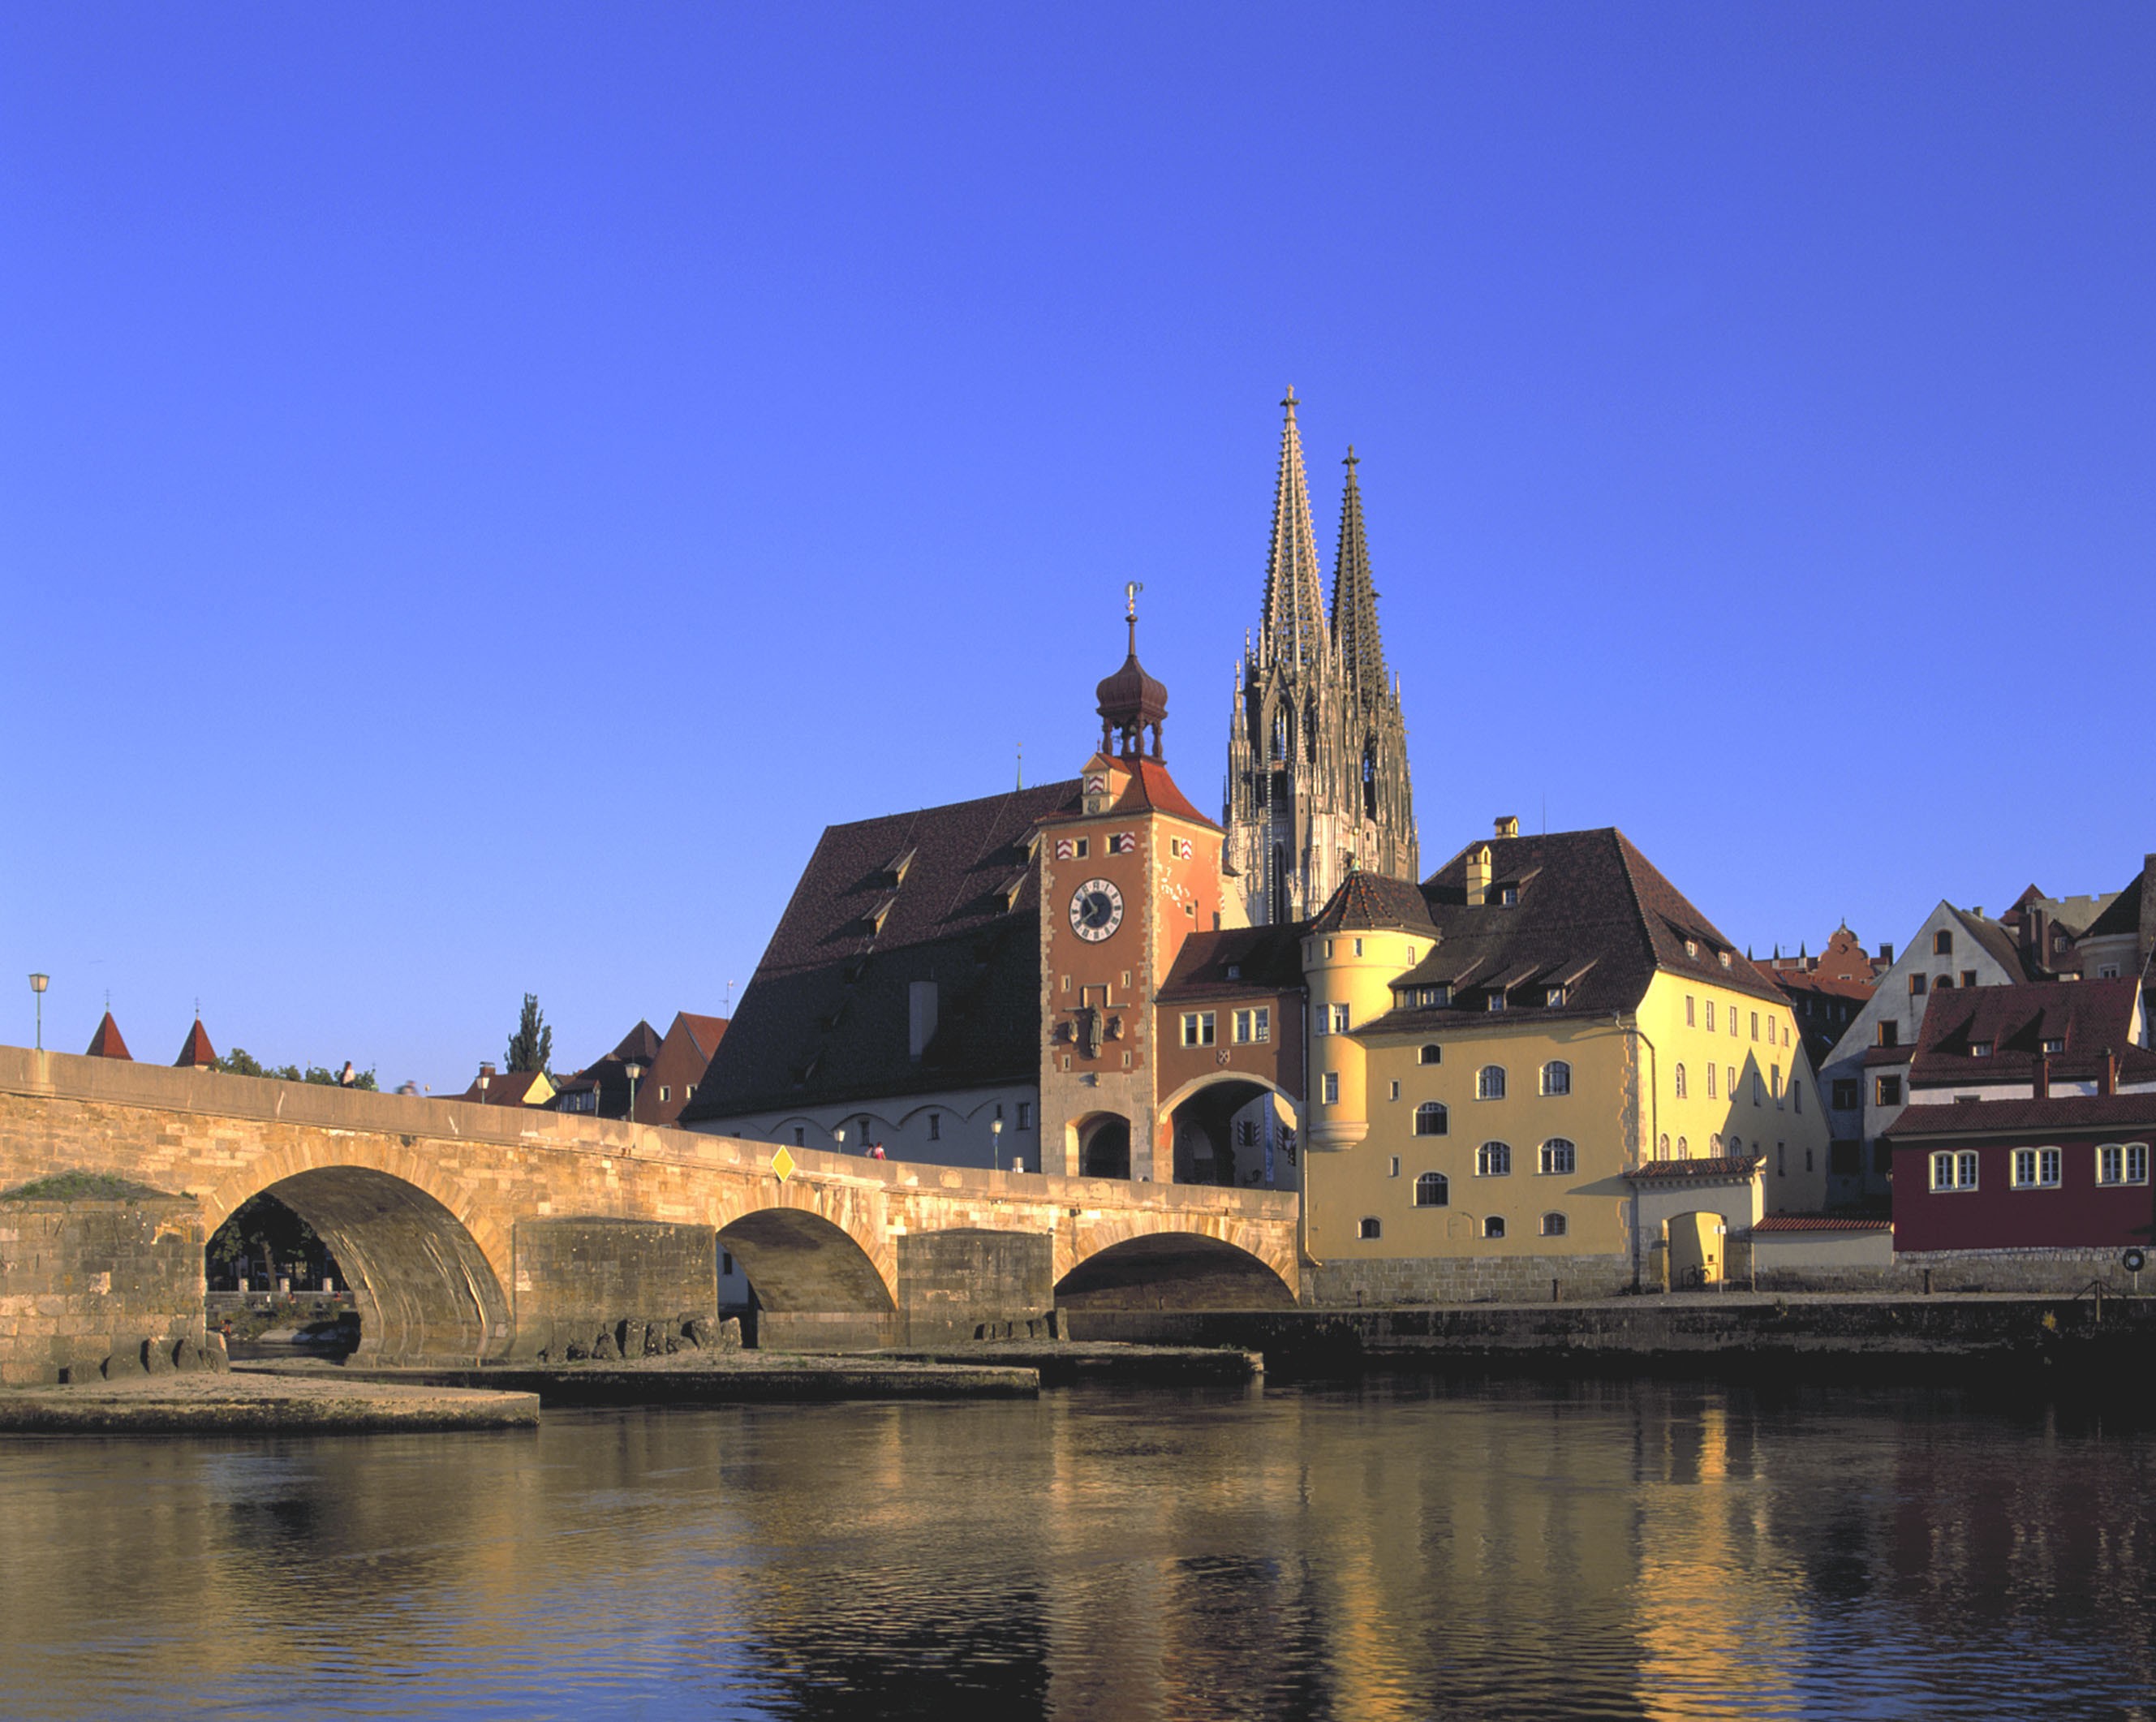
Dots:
{"x": 1543, "y": 1071}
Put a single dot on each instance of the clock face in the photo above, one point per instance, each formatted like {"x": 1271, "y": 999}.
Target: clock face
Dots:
{"x": 1096, "y": 910}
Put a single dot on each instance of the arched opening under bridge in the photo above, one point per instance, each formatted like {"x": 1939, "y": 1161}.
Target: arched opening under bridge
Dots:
{"x": 810, "y": 1285}
{"x": 1172, "y": 1270}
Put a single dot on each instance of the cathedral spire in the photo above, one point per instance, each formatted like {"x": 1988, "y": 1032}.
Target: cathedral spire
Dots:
{"x": 1294, "y": 587}
{"x": 1355, "y": 634}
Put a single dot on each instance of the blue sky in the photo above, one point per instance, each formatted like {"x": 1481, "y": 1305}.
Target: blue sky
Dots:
{"x": 480, "y": 488}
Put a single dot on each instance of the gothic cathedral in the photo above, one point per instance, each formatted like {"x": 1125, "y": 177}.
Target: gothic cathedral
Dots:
{"x": 1318, "y": 750}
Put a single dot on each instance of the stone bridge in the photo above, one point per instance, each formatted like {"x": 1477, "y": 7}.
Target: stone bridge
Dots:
{"x": 476, "y": 1232}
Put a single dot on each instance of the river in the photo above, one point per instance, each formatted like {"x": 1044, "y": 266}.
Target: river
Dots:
{"x": 1405, "y": 1548}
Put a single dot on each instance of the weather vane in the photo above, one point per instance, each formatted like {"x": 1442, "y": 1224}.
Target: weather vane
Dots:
{"x": 1131, "y": 590}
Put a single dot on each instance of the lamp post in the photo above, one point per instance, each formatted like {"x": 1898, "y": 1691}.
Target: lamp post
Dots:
{"x": 838, "y": 1136}
{"x": 634, "y": 1070}
{"x": 996, "y": 1141}
{"x": 38, "y": 983}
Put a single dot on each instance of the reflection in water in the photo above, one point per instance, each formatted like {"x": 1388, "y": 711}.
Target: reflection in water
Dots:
{"x": 1403, "y": 1549}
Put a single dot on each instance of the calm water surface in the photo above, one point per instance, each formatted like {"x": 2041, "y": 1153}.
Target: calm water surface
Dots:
{"x": 1404, "y": 1549}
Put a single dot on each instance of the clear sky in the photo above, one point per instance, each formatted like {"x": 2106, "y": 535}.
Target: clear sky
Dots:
{"x": 480, "y": 488}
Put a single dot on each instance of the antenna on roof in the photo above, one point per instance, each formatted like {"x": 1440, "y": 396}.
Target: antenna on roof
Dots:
{"x": 1021, "y": 765}
{"x": 730, "y": 998}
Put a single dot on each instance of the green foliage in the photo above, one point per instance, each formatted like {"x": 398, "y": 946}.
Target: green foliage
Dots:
{"x": 265, "y": 1228}
{"x": 81, "y": 1187}
{"x": 532, "y": 1047}
{"x": 240, "y": 1062}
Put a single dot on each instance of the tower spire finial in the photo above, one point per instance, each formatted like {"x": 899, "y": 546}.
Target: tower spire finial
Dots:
{"x": 1355, "y": 634}
{"x": 1294, "y": 589}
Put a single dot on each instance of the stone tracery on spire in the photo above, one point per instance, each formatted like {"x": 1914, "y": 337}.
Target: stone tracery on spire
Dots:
{"x": 1294, "y": 627}
{"x": 1355, "y": 637}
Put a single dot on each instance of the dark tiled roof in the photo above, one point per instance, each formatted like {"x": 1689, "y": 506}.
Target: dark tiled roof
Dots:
{"x": 2124, "y": 914}
{"x": 196, "y": 1051}
{"x": 1819, "y": 1222}
{"x": 2091, "y": 1017}
{"x": 2064, "y": 1112}
{"x": 106, "y": 1043}
{"x": 1592, "y": 916}
{"x": 509, "y": 1088}
{"x": 1267, "y": 959}
{"x": 1996, "y": 940}
{"x": 1366, "y": 900}
{"x": 1875, "y": 1055}
{"x": 1725, "y": 1166}
{"x": 826, "y": 1018}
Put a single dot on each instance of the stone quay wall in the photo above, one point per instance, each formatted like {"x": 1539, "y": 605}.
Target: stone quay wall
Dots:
{"x": 1385, "y": 1281}
{"x": 85, "y": 1283}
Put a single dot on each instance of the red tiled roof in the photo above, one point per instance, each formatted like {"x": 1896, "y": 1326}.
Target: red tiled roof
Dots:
{"x": 106, "y": 1043}
{"x": 706, "y": 1031}
{"x": 2061, "y": 1112}
{"x": 195, "y": 1052}
{"x": 1725, "y": 1166}
{"x": 2091, "y": 1017}
{"x": 1819, "y": 1222}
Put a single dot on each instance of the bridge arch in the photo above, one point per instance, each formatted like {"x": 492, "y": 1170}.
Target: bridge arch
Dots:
{"x": 426, "y": 1269}
{"x": 1173, "y": 1269}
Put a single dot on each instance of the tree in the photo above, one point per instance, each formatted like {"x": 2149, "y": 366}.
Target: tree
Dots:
{"x": 240, "y": 1062}
{"x": 532, "y": 1047}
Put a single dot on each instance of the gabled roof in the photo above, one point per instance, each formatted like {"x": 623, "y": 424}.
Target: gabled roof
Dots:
{"x": 1995, "y": 940}
{"x": 826, "y": 1016}
{"x": 1592, "y": 916}
{"x": 1264, "y": 959}
{"x": 2090, "y": 1017}
{"x": 106, "y": 1043}
{"x": 1147, "y": 788}
{"x": 2123, "y": 916}
{"x": 640, "y": 1043}
{"x": 509, "y": 1088}
{"x": 707, "y": 1031}
{"x": 195, "y": 1052}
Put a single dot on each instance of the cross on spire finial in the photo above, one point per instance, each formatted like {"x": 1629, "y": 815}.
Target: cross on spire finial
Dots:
{"x": 1353, "y": 459}
{"x": 1290, "y": 402}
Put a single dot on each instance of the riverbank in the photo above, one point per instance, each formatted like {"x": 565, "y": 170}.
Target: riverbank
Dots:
{"x": 1064, "y": 1363}
{"x": 2108, "y": 1342}
{"x": 248, "y": 1401}
{"x": 700, "y": 1378}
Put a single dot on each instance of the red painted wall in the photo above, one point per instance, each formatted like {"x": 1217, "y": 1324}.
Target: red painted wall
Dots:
{"x": 2080, "y": 1213}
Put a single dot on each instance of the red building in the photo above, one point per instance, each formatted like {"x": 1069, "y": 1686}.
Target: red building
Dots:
{"x": 2031, "y": 1120}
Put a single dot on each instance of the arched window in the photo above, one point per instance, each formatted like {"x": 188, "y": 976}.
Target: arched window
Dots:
{"x": 1736, "y": 1144}
{"x": 1559, "y": 1158}
{"x": 1370, "y": 1227}
{"x": 1684, "y": 1149}
{"x": 1493, "y": 1159}
{"x": 1556, "y": 1077}
{"x": 1432, "y": 1190}
{"x": 1554, "y": 1226}
{"x": 1490, "y": 1082}
{"x": 1430, "y": 1119}
{"x": 1431, "y": 1053}
{"x": 1662, "y": 1148}
{"x": 1680, "y": 1082}
{"x": 1494, "y": 1226}
{"x": 1714, "y": 1142}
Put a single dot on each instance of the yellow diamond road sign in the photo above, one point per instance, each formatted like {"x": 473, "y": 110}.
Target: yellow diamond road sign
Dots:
{"x": 781, "y": 1162}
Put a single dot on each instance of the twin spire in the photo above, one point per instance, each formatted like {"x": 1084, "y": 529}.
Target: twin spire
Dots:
{"x": 1294, "y": 630}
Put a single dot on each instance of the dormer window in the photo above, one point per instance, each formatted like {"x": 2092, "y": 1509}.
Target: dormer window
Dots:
{"x": 1724, "y": 956}
{"x": 1508, "y": 895}
{"x": 1979, "y": 1049}
{"x": 1435, "y": 998}
{"x": 1691, "y": 947}
{"x": 2056, "y": 1044}
{"x": 1234, "y": 971}
{"x": 1495, "y": 1000}
{"x": 1553, "y": 995}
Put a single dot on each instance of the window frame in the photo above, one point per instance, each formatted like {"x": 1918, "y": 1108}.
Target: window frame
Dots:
{"x": 1432, "y": 1189}
{"x": 1429, "y": 1053}
{"x": 1558, "y": 1157}
{"x": 1563, "y": 1228}
{"x": 1493, "y": 1228}
{"x": 1369, "y": 1230}
{"x": 2038, "y": 1168}
{"x": 1494, "y": 1159}
{"x": 1486, "y": 1088}
{"x": 1433, "y": 1111}
{"x": 1557, "y": 1079}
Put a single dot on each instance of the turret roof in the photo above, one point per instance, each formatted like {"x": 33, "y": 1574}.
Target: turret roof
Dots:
{"x": 195, "y": 1052}
{"x": 106, "y": 1043}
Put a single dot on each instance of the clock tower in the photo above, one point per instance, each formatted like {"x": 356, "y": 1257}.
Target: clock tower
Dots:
{"x": 1126, "y": 875}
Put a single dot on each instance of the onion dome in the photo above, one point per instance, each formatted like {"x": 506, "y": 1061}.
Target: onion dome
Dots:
{"x": 1131, "y": 701}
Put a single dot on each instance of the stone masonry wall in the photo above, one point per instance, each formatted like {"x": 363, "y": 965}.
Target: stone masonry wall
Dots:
{"x": 951, "y": 1283}
{"x": 2064, "y": 1272}
{"x": 84, "y": 1281}
{"x": 578, "y": 1277}
{"x": 1489, "y": 1279}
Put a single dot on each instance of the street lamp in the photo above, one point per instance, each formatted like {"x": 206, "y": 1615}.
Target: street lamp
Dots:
{"x": 634, "y": 1070}
{"x": 38, "y": 983}
{"x": 996, "y": 1141}
{"x": 838, "y": 1136}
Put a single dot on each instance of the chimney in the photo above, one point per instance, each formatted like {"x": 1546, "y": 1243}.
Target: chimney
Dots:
{"x": 2148, "y": 908}
{"x": 1478, "y": 874}
{"x": 1509, "y": 825}
{"x": 2107, "y": 1074}
{"x": 2041, "y": 1089}
{"x": 2040, "y": 936}
{"x": 1887, "y": 955}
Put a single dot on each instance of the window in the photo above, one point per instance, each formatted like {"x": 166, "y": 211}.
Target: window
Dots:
{"x": 1340, "y": 1019}
{"x": 1796, "y": 1095}
{"x": 1890, "y": 1032}
{"x": 1775, "y": 1079}
{"x": 1328, "y": 948}
{"x": 1431, "y": 1053}
{"x": 1556, "y": 1077}
{"x": 1844, "y": 1093}
{"x": 1968, "y": 977}
{"x": 1554, "y": 1226}
{"x": 1710, "y": 1079}
{"x": 1982, "y": 1048}
{"x": 1559, "y": 1158}
{"x": 1952, "y": 1171}
{"x": 800, "y": 1136}
{"x": 2127, "y": 1162}
{"x": 1430, "y": 1119}
{"x": 1722, "y": 957}
{"x": 665, "y": 1092}
{"x": 1729, "y": 1088}
{"x": 1358, "y": 947}
{"x": 1122, "y": 843}
{"x": 1684, "y": 1149}
{"x": 1370, "y": 1228}
{"x": 1662, "y": 1147}
{"x": 1691, "y": 1016}
{"x": 727, "y": 1263}
{"x": 1255, "y": 1025}
{"x": 1490, "y": 1082}
{"x": 1395, "y": 1171}
{"x": 1710, "y": 1017}
{"x": 1916, "y": 985}
{"x": 1554, "y": 996}
{"x": 1432, "y": 1190}
{"x": 1432, "y": 997}
{"x": 1025, "y": 1115}
{"x": 1396, "y": 1094}
{"x": 1691, "y": 947}
{"x": 1888, "y": 1091}
{"x": 1494, "y": 1225}
{"x": 2035, "y": 1168}
{"x": 1755, "y": 1025}
{"x": 1496, "y": 1001}
{"x": 2055, "y": 1046}
{"x": 936, "y": 1127}
{"x": 1082, "y": 843}
{"x": 1731, "y": 1014}
{"x": 1329, "y": 1090}
{"x": 1781, "y": 1159}
{"x": 1494, "y": 1159}
{"x": 1944, "y": 984}
{"x": 1681, "y": 1082}
{"x": 1197, "y": 1028}
{"x": 1508, "y": 895}
{"x": 1942, "y": 944}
